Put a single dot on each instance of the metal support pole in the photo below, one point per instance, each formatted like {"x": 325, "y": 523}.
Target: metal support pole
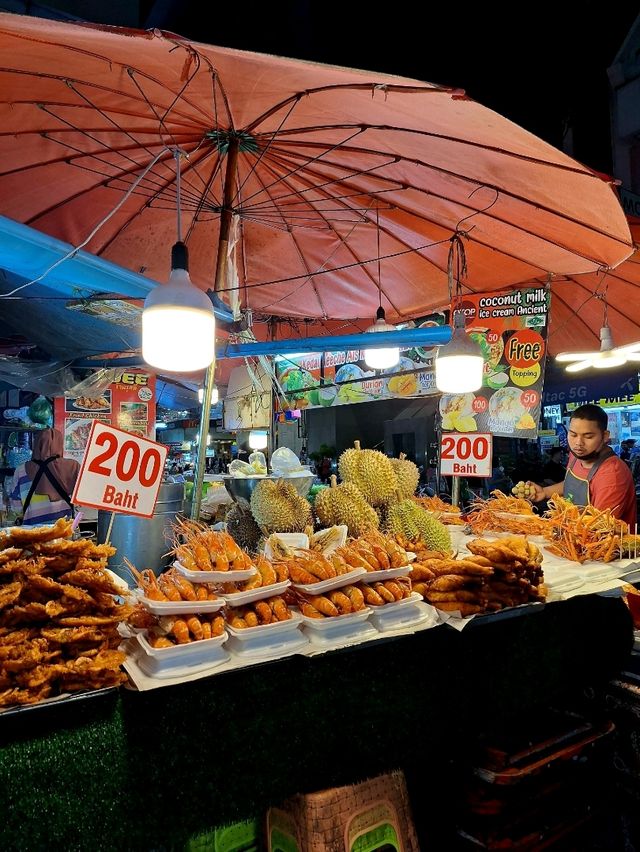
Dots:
{"x": 205, "y": 413}
{"x": 455, "y": 491}
{"x": 221, "y": 270}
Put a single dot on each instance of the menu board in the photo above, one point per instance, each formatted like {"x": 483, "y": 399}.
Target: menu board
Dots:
{"x": 329, "y": 379}
{"x": 128, "y": 403}
{"x": 511, "y": 330}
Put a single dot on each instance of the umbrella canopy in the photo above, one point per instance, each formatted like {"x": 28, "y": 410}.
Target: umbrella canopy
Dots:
{"x": 303, "y": 160}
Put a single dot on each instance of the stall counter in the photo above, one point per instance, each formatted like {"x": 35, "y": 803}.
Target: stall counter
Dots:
{"x": 151, "y": 770}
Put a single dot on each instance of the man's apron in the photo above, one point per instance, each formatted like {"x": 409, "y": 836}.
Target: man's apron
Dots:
{"x": 576, "y": 488}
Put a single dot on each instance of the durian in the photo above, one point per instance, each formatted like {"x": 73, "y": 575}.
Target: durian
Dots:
{"x": 371, "y": 472}
{"x": 344, "y": 504}
{"x": 277, "y": 507}
{"x": 412, "y": 521}
{"x": 243, "y": 528}
{"x": 407, "y": 474}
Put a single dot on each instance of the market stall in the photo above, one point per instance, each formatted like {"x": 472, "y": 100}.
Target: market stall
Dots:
{"x": 156, "y": 768}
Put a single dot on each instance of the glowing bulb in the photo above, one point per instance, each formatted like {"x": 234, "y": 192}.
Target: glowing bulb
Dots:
{"x": 459, "y": 364}
{"x": 387, "y": 356}
{"x": 178, "y": 324}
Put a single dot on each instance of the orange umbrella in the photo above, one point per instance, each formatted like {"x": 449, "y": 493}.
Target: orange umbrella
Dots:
{"x": 297, "y": 160}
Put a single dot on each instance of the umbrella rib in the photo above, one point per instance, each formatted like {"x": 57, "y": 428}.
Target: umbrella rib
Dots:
{"x": 573, "y": 315}
{"x": 300, "y": 256}
{"x": 472, "y": 210}
{"x": 429, "y": 89}
{"x": 343, "y": 241}
{"x": 592, "y": 295}
{"x": 468, "y": 180}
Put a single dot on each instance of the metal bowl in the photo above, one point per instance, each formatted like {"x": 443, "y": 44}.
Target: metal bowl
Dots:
{"x": 241, "y": 487}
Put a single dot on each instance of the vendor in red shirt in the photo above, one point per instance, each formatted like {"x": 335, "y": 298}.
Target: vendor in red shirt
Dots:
{"x": 595, "y": 475}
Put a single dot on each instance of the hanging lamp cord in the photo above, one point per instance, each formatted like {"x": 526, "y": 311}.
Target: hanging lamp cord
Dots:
{"x": 456, "y": 267}
{"x": 176, "y": 154}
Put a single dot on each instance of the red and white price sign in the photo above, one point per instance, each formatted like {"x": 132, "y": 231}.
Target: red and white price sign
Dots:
{"x": 466, "y": 455}
{"x": 120, "y": 472}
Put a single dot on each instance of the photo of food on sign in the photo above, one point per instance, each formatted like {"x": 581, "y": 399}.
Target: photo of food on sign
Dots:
{"x": 510, "y": 327}
{"x": 101, "y": 403}
{"x": 406, "y": 385}
{"x": 132, "y": 417}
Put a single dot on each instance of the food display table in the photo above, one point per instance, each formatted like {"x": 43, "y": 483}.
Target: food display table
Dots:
{"x": 150, "y": 770}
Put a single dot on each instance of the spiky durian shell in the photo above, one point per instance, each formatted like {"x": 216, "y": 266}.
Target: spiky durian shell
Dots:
{"x": 344, "y": 504}
{"x": 408, "y": 476}
{"x": 277, "y": 507}
{"x": 412, "y": 521}
{"x": 242, "y": 527}
{"x": 371, "y": 472}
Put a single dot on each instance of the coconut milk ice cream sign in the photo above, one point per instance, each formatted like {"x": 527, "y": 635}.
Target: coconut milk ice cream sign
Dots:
{"x": 511, "y": 329}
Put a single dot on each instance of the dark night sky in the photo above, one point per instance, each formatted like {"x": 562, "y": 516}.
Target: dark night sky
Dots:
{"x": 542, "y": 65}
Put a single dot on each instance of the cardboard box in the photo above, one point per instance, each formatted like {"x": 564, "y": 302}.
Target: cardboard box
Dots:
{"x": 374, "y": 814}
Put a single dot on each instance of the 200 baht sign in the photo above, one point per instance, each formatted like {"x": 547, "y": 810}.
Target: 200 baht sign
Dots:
{"x": 511, "y": 329}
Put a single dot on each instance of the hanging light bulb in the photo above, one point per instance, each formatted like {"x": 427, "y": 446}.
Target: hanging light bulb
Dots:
{"x": 385, "y": 356}
{"x": 606, "y": 357}
{"x": 388, "y": 356}
{"x": 459, "y": 364}
{"x": 258, "y": 439}
{"x": 214, "y": 395}
{"x": 178, "y": 323}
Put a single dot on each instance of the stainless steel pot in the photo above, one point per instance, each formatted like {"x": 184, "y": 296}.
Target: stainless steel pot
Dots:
{"x": 144, "y": 541}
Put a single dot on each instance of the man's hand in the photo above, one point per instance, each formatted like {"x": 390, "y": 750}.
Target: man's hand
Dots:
{"x": 537, "y": 491}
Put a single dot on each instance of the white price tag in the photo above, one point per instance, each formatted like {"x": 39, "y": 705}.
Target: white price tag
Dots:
{"x": 466, "y": 455}
{"x": 120, "y": 472}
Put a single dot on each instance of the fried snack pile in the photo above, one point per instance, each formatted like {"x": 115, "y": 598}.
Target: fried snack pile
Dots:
{"x": 199, "y": 548}
{"x": 261, "y": 612}
{"x": 268, "y": 574}
{"x": 582, "y": 534}
{"x": 437, "y": 506}
{"x": 58, "y": 615}
{"x": 485, "y": 515}
{"x": 501, "y": 573}
{"x": 388, "y": 591}
{"x": 181, "y": 631}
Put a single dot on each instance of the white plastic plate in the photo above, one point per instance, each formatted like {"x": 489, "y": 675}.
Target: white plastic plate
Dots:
{"x": 340, "y": 539}
{"x": 262, "y": 632}
{"x": 259, "y": 594}
{"x": 395, "y": 618}
{"x": 281, "y": 645}
{"x": 332, "y": 583}
{"x": 292, "y": 540}
{"x": 386, "y": 574}
{"x": 193, "y": 653}
{"x": 216, "y": 576}
{"x": 411, "y": 557}
{"x": 182, "y": 607}
{"x": 336, "y": 622}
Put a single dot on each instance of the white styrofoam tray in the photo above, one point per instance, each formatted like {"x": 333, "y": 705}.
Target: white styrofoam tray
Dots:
{"x": 259, "y": 594}
{"x": 267, "y": 639}
{"x": 335, "y": 629}
{"x": 204, "y": 652}
{"x": 413, "y": 599}
{"x": 332, "y": 583}
{"x": 386, "y": 574}
{"x": 335, "y": 622}
{"x": 181, "y": 607}
{"x": 264, "y": 633}
{"x": 292, "y": 540}
{"x": 415, "y": 613}
{"x": 216, "y": 576}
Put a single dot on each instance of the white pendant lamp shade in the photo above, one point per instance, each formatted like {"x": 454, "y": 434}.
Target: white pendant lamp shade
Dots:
{"x": 178, "y": 324}
{"x": 258, "y": 439}
{"x": 607, "y": 357}
{"x": 214, "y": 395}
{"x": 459, "y": 364}
{"x": 385, "y": 357}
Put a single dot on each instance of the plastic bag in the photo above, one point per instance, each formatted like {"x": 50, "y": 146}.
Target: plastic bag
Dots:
{"x": 241, "y": 468}
{"x": 258, "y": 462}
{"x": 93, "y": 386}
{"x": 284, "y": 462}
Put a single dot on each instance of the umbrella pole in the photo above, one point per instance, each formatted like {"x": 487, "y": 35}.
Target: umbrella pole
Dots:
{"x": 221, "y": 271}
